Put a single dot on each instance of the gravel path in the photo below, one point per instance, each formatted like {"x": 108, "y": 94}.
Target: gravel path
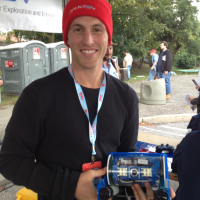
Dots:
{"x": 180, "y": 86}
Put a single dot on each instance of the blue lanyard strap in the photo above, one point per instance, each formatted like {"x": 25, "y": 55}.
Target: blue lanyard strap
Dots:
{"x": 93, "y": 127}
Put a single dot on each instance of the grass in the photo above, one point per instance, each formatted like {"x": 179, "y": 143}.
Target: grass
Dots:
{"x": 144, "y": 71}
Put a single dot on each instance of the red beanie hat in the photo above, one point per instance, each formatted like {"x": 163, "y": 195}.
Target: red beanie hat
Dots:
{"x": 100, "y": 9}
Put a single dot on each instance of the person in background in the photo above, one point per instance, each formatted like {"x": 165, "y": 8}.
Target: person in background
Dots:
{"x": 109, "y": 65}
{"x": 127, "y": 62}
{"x": 1, "y": 82}
{"x": 164, "y": 66}
{"x": 153, "y": 64}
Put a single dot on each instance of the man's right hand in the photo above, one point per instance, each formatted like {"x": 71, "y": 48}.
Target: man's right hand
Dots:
{"x": 1, "y": 83}
{"x": 152, "y": 68}
{"x": 85, "y": 189}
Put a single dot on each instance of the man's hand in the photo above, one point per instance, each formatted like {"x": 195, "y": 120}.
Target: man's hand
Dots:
{"x": 1, "y": 83}
{"x": 140, "y": 195}
{"x": 85, "y": 189}
{"x": 197, "y": 87}
{"x": 166, "y": 72}
{"x": 152, "y": 68}
{"x": 191, "y": 98}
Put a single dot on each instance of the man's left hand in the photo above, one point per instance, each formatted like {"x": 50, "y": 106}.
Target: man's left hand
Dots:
{"x": 166, "y": 72}
{"x": 152, "y": 68}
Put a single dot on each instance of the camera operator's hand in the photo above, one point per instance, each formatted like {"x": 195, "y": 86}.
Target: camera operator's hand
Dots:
{"x": 140, "y": 195}
{"x": 85, "y": 189}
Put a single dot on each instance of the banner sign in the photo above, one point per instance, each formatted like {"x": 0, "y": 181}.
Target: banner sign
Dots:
{"x": 32, "y": 15}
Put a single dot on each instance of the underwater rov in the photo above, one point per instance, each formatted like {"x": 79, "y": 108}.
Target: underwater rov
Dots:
{"x": 126, "y": 169}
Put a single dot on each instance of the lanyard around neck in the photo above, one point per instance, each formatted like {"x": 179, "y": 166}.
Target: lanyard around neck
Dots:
{"x": 93, "y": 127}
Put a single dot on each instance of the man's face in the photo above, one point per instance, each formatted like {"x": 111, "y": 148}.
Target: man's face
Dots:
{"x": 88, "y": 40}
{"x": 125, "y": 53}
{"x": 109, "y": 52}
{"x": 162, "y": 47}
{"x": 152, "y": 53}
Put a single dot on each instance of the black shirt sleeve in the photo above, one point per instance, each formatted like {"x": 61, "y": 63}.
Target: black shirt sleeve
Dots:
{"x": 17, "y": 157}
{"x": 130, "y": 132}
{"x": 195, "y": 101}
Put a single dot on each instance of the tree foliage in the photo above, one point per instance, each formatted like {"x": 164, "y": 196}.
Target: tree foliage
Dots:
{"x": 184, "y": 60}
{"x": 141, "y": 25}
{"x": 181, "y": 26}
{"x": 32, "y": 35}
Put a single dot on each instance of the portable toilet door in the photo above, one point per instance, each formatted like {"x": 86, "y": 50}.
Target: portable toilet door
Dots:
{"x": 11, "y": 62}
{"x": 58, "y": 56}
{"x": 36, "y": 61}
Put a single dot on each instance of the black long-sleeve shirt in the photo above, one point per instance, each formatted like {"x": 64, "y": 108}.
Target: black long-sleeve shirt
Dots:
{"x": 166, "y": 58}
{"x": 47, "y": 138}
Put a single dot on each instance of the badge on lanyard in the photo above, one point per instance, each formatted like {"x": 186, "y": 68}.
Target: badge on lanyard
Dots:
{"x": 89, "y": 166}
{"x": 93, "y": 127}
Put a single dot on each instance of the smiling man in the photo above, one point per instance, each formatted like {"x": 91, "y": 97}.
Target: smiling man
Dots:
{"x": 59, "y": 131}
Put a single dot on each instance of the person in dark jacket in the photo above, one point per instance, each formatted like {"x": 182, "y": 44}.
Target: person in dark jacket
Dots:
{"x": 164, "y": 66}
{"x": 187, "y": 164}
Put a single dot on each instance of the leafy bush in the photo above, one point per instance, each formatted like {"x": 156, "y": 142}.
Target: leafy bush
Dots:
{"x": 184, "y": 61}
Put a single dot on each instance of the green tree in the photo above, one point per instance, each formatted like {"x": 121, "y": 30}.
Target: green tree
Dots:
{"x": 184, "y": 60}
{"x": 179, "y": 17}
{"x": 132, "y": 27}
{"x": 32, "y": 35}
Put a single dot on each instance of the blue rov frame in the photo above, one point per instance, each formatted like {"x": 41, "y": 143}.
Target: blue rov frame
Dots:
{"x": 126, "y": 169}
